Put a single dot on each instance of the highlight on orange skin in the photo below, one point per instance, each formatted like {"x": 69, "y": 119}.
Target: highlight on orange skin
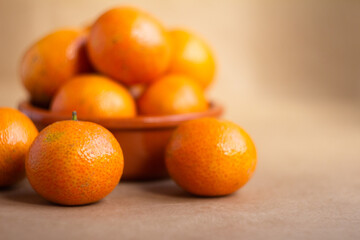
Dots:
{"x": 172, "y": 94}
{"x": 52, "y": 61}
{"x": 129, "y": 45}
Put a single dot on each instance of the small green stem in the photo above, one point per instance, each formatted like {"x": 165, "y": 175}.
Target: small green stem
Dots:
{"x": 74, "y": 116}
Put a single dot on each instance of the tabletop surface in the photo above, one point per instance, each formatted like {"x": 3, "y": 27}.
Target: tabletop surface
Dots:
{"x": 306, "y": 186}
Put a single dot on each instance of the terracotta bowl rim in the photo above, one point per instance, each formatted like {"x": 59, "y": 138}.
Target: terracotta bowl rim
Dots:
{"x": 44, "y": 116}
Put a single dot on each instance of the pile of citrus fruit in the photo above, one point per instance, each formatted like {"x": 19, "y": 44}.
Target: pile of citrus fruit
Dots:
{"x": 124, "y": 65}
{"x": 95, "y": 69}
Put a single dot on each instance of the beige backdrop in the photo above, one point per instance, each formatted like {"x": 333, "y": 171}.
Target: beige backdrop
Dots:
{"x": 284, "y": 48}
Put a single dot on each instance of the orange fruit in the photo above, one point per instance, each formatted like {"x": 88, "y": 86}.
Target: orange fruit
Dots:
{"x": 129, "y": 45}
{"x": 94, "y": 96}
{"x": 210, "y": 157}
{"x": 74, "y": 163}
{"x": 191, "y": 56}
{"x": 17, "y": 132}
{"x": 172, "y": 94}
{"x": 51, "y": 61}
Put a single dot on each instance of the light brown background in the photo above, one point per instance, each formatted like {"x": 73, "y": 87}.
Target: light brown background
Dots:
{"x": 289, "y": 73}
{"x": 309, "y": 47}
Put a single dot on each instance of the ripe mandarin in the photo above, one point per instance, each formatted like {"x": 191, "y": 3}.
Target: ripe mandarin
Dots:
{"x": 172, "y": 94}
{"x": 94, "y": 96}
{"x": 129, "y": 45}
{"x": 210, "y": 157}
{"x": 74, "y": 163}
{"x": 17, "y": 132}
{"x": 52, "y": 61}
{"x": 191, "y": 56}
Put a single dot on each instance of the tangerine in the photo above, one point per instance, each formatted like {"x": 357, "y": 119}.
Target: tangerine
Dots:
{"x": 191, "y": 56}
{"x": 52, "y": 61}
{"x": 74, "y": 163}
{"x": 17, "y": 132}
{"x": 210, "y": 157}
{"x": 129, "y": 45}
{"x": 94, "y": 96}
{"x": 172, "y": 94}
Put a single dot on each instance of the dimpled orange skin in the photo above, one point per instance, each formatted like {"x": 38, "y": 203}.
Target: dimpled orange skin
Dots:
{"x": 209, "y": 157}
{"x": 17, "y": 132}
{"x": 74, "y": 163}
{"x": 94, "y": 96}
{"x": 172, "y": 94}
{"x": 52, "y": 61}
{"x": 129, "y": 45}
{"x": 191, "y": 56}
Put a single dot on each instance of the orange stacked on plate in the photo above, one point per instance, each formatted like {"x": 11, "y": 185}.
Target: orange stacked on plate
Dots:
{"x": 94, "y": 70}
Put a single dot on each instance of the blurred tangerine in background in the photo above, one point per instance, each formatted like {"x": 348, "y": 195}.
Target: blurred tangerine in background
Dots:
{"x": 191, "y": 56}
{"x": 129, "y": 45}
{"x": 172, "y": 94}
{"x": 51, "y": 62}
{"x": 94, "y": 96}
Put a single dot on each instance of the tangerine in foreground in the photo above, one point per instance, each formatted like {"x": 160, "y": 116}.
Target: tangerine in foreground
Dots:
{"x": 74, "y": 163}
{"x": 17, "y": 132}
{"x": 210, "y": 157}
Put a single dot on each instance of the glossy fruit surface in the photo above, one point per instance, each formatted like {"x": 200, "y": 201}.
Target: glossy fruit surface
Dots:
{"x": 210, "y": 157}
{"x": 191, "y": 56}
{"x": 52, "y": 61}
{"x": 17, "y": 132}
{"x": 172, "y": 94}
{"x": 74, "y": 163}
{"x": 129, "y": 45}
{"x": 94, "y": 96}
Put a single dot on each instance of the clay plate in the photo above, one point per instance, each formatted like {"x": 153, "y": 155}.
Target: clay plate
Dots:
{"x": 143, "y": 139}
